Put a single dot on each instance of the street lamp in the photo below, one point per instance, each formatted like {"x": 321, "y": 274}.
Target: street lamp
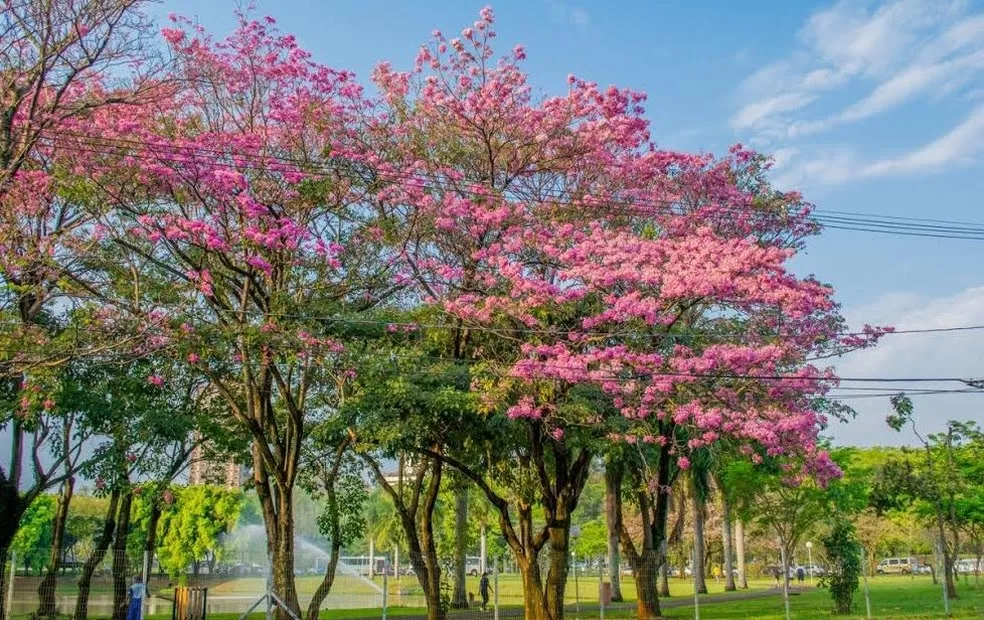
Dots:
{"x": 809, "y": 553}
{"x": 575, "y": 532}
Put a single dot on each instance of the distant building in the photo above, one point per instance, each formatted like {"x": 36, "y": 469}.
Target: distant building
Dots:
{"x": 393, "y": 478}
{"x": 207, "y": 470}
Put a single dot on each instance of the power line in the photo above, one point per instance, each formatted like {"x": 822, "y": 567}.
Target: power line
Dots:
{"x": 919, "y": 227}
{"x": 840, "y": 397}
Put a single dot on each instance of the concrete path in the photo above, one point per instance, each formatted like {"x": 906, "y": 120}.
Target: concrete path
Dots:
{"x": 620, "y": 610}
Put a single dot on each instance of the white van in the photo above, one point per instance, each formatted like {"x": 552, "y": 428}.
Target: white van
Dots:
{"x": 904, "y": 566}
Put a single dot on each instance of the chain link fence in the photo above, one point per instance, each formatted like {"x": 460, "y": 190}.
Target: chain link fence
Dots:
{"x": 104, "y": 587}
{"x": 237, "y": 584}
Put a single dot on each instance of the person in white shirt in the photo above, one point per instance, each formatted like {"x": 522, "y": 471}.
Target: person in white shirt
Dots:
{"x": 137, "y": 592}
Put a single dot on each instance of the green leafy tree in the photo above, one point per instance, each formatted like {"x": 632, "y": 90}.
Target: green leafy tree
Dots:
{"x": 593, "y": 541}
{"x": 412, "y": 403}
{"x": 192, "y": 527}
{"x": 33, "y": 539}
{"x": 333, "y": 475}
{"x": 844, "y": 558}
{"x": 788, "y": 508}
{"x": 946, "y": 473}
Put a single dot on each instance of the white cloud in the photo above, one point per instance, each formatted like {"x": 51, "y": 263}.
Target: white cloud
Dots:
{"x": 781, "y": 158}
{"x": 833, "y": 166}
{"x": 948, "y": 354}
{"x": 753, "y": 114}
{"x": 911, "y": 82}
{"x": 854, "y": 41}
{"x": 958, "y": 146}
{"x": 570, "y": 14}
{"x": 906, "y": 48}
{"x": 579, "y": 17}
{"x": 828, "y": 166}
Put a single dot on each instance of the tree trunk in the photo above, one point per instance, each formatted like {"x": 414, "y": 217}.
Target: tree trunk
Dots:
{"x": 282, "y": 557}
{"x": 700, "y": 583}
{"x": 558, "y": 568}
{"x": 561, "y": 476}
{"x": 119, "y": 558}
{"x": 46, "y": 590}
{"x": 613, "y": 478}
{"x": 276, "y": 504}
{"x": 105, "y": 538}
{"x": 948, "y": 580}
{"x": 425, "y": 524}
{"x": 647, "y": 559}
{"x": 646, "y": 576}
{"x": 664, "y": 580}
{"x": 459, "y": 597}
{"x": 740, "y": 551}
{"x": 150, "y": 543}
{"x": 543, "y": 599}
{"x": 483, "y": 553}
{"x": 729, "y": 575}
{"x": 534, "y": 599}
{"x": 12, "y": 507}
{"x": 416, "y": 517}
{"x": 314, "y": 608}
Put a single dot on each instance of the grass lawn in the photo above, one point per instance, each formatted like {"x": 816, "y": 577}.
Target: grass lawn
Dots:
{"x": 891, "y": 597}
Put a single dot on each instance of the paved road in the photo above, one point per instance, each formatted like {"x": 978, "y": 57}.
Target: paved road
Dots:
{"x": 619, "y": 610}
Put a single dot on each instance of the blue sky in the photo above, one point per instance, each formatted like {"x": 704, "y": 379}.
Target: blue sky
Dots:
{"x": 874, "y": 107}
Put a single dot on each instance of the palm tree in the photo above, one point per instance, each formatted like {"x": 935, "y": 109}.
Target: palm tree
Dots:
{"x": 729, "y": 577}
{"x": 701, "y": 469}
{"x": 613, "y": 479}
{"x": 383, "y": 524}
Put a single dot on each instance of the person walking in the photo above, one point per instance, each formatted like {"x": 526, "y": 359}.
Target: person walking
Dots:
{"x": 137, "y": 592}
{"x": 775, "y": 574}
{"x": 483, "y": 589}
{"x": 800, "y": 574}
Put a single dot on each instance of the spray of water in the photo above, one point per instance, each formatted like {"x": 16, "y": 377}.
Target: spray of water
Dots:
{"x": 344, "y": 568}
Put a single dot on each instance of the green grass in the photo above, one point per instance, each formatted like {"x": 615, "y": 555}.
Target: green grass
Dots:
{"x": 891, "y": 597}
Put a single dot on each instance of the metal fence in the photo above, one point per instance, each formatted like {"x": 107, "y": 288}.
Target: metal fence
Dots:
{"x": 234, "y": 585}
{"x": 238, "y": 584}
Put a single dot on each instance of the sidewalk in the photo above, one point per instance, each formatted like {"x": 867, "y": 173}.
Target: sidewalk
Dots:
{"x": 620, "y": 610}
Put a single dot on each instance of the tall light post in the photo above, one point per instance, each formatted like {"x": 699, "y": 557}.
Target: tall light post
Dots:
{"x": 575, "y": 532}
{"x": 809, "y": 553}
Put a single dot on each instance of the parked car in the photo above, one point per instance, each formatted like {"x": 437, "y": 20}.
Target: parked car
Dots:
{"x": 967, "y": 566}
{"x": 903, "y": 566}
{"x": 813, "y": 569}
{"x": 473, "y": 566}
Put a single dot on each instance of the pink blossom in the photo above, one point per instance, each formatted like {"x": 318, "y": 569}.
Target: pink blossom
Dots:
{"x": 683, "y": 463}
{"x": 156, "y": 380}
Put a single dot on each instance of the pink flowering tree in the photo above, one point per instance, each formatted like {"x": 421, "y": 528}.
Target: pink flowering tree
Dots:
{"x": 249, "y": 241}
{"x": 632, "y": 288}
{"x": 55, "y": 66}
